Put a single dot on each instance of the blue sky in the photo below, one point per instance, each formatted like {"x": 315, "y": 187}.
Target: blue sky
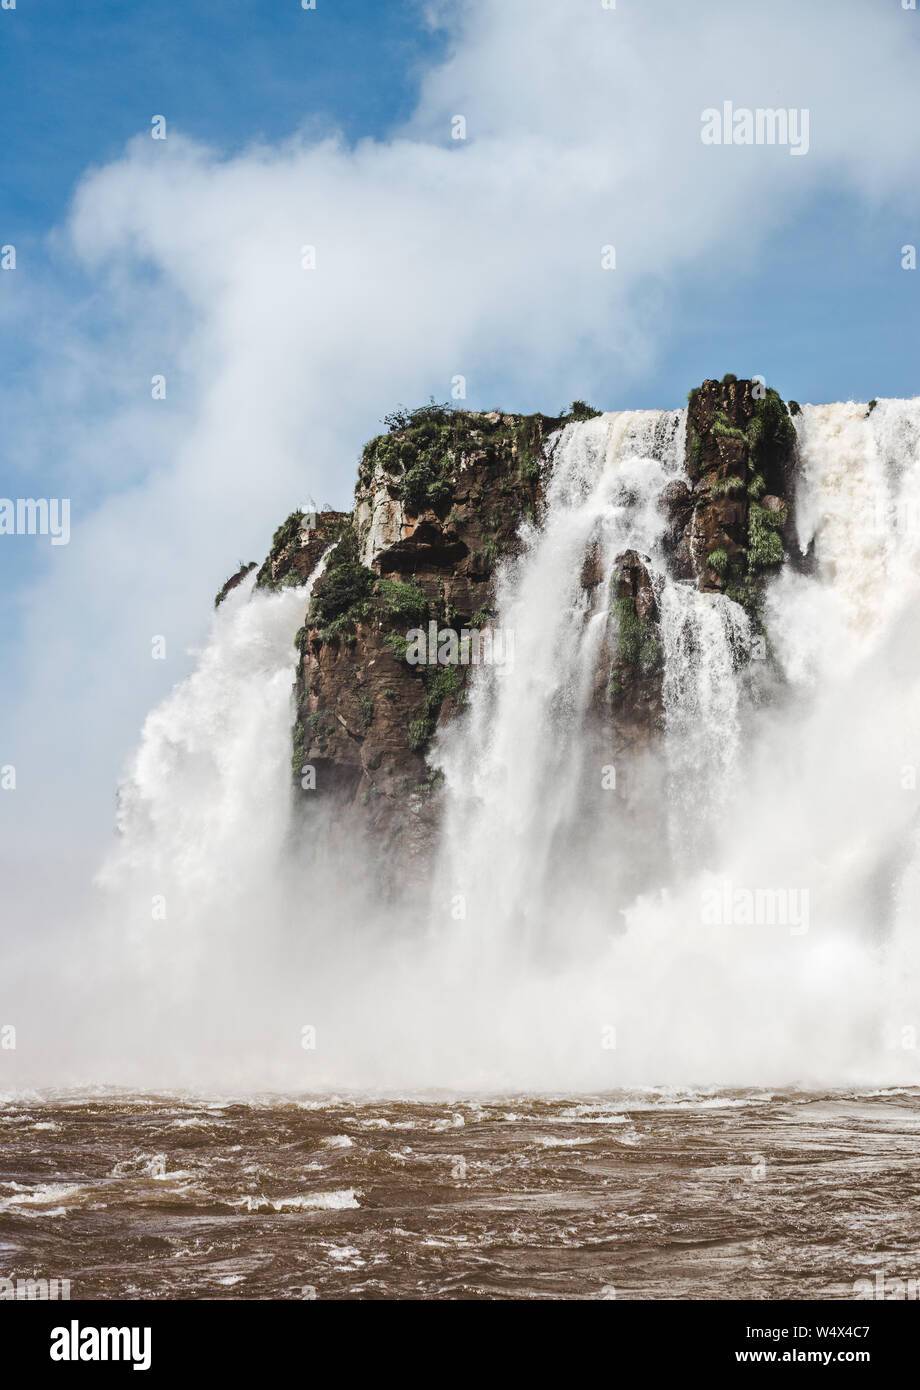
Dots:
{"x": 288, "y": 127}
{"x": 80, "y": 79}
{"x": 825, "y": 312}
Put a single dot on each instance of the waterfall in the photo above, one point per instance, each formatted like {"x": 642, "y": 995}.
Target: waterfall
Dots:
{"x": 518, "y": 768}
{"x": 737, "y": 905}
{"x": 195, "y": 892}
{"x": 515, "y": 765}
{"x": 853, "y": 633}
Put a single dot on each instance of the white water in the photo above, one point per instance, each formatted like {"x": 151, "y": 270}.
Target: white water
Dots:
{"x": 204, "y": 816}
{"x": 562, "y": 914}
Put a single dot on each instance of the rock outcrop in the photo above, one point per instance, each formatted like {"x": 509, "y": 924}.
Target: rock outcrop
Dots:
{"x": 440, "y": 501}
{"x": 740, "y": 454}
{"x": 232, "y": 583}
{"x": 728, "y": 527}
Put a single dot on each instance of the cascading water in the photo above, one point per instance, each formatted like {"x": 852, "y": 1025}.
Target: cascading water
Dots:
{"x": 678, "y": 962}
{"x": 739, "y": 908}
{"x": 519, "y": 770}
{"x": 514, "y": 767}
{"x": 853, "y": 634}
{"x": 775, "y": 939}
{"x": 198, "y": 873}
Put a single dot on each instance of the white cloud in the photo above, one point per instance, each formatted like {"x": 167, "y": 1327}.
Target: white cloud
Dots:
{"x": 434, "y": 257}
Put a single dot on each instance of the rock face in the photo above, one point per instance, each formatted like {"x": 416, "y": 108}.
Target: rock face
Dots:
{"x": 632, "y": 657}
{"x": 439, "y": 502}
{"x": 298, "y": 546}
{"x": 232, "y": 582}
{"x": 740, "y": 454}
{"x": 728, "y": 528}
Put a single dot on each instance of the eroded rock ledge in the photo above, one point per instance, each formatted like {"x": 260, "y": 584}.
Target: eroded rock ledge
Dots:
{"x": 439, "y": 502}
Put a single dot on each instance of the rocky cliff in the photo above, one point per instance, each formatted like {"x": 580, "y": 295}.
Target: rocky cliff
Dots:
{"x": 439, "y": 503}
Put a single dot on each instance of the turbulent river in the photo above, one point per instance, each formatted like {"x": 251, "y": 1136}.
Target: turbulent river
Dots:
{"x": 653, "y": 1194}
{"x": 624, "y": 1086}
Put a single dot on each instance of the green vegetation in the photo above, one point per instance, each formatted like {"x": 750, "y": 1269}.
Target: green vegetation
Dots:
{"x": 872, "y": 404}
{"x": 288, "y": 533}
{"x": 418, "y": 732}
{"x": 636, "y": 642}
{"x": 694, "y": 448}
{"x": 427, "y": 482}
{"x": 725, "y": 487}
{"x": 232, "y": 582}
{"x": 321, "y": 725}
{"x": 729, "y": 379}
{"x": 401, "y": 602}
{"x": 724, "y": 430}
{"x": 630, "y": 630}
{"x": 419, "y": 453}
{"x": 366, "y": 706}
{"x": 742, "y": 588}
{"x": 441, "y": 681}
{"x": 614, "y": 685}
{"x": 433, "y": 413}
{"x": 397, "y": 643}
{"x": 430, "y": 784}
{"x": 287, "y": 537}
{"x": 770, "y": 430}
{"x": 299, "y": 754}
{"x": 769, "y": 435}
{"x": 718, "y": 559}
{"x": 341, "y": 595}
{"x": 578, "y": 411}
{"x": 528, "y": 446}
{"x": 765, "y": 546}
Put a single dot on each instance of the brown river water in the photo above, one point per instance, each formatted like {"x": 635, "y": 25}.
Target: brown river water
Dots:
{"x": 639, "y": 1195}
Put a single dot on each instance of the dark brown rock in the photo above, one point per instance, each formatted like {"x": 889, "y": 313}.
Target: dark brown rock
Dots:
{"x": 233, "y": 582}
{"x": 439, "y": 505}
{"x": 740, "y": 448}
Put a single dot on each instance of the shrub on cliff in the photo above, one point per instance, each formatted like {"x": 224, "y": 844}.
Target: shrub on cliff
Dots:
{"x": 636, "y": 642}
{"x": 402, "y": 602}
{"x": 718, "y": 559}
{"x": 580, "y": 410}
{"x": 426, "y": 482}
{"x": 765, "y": 546}
{"x": 402, "y": 419}
{"x": 417, "y": 452}
{"x": 442, "y": 682}
{"x": 342, "y": 593}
